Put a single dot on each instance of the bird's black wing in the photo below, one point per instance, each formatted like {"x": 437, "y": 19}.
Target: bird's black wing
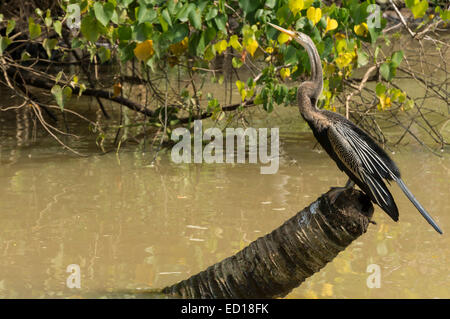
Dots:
{"x": 362, "y": 156}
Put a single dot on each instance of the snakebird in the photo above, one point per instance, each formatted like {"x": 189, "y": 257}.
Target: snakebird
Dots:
{"x": 353, "y": 150}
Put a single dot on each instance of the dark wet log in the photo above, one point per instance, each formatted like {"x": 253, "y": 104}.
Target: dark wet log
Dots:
{"x": 273, "y": 265}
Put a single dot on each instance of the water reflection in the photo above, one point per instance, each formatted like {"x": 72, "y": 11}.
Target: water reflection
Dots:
{"x": 131, "y": 225}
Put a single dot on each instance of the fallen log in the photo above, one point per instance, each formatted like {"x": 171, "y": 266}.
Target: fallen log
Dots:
{"x": 273, "y": 265}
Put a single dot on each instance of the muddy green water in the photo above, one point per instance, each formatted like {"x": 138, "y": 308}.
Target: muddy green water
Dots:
{"x": 132, "y": 226}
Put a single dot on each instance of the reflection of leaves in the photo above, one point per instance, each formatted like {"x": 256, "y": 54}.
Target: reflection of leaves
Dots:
{"x": 327, "y": 290}
{"x": 343, "y": 266}
{"x": 310, "y": 294}
{"x": 382, "y": 249}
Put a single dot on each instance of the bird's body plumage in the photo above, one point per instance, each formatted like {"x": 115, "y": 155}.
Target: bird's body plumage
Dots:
{"x": 356, "y": 154}
{"x": 353, "y": 150}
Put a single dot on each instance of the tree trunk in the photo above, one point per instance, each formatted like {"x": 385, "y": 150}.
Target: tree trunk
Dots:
{"x": 273, "y": 265}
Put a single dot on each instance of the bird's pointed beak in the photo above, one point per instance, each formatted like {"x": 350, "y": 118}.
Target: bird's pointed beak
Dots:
{"x": 288, "y": 32}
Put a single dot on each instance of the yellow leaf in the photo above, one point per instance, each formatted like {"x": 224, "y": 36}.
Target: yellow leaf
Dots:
{"x": 310, "y": 294}
{"x": 285, "y": 73}
{"x": 344, "y": 59}
{"x": 329, "y": 69}
{"x": 117, "y": 89}
{"x": 283, "y": 38}
{"x": 144, "y": 50}
{"x": 242, "y": 91}
{"x": 221, "y": 46}
{"x": 178, "y": 48}
{"x": 339, "y": 36}
{"x": 385, "y": 102}
{"x": 331, "y": 24}
{"x": 361, "y": 29}
{"x": 295, "y": 6}
{"x": 269, "y": 50}
{"x": 251, "y": 45}
{"x": 240, "y": 85}
{"x": 210, "y": 52}
{"x": 234, "y": 42}
{"x": 314, "y": 14}
{"x": 327, "y": 290}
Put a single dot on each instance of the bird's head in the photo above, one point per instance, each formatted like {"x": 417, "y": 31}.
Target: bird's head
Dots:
{"x": 316, "y": 84}
{"x": 301, "y": 38}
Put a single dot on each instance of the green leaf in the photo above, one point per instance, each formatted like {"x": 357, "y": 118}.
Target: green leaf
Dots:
{"x": 61, "y": 95}
{"x": 380, "y": 89}
{"x": 210, "y": 53}
{"x": 34, "y": 29}
{"x": 126, "y": 52}
{"x": 58, "y": 76}
{"x": 124, "y": 32}
{"x": 49, "y": 45}
{"x": 397, "y": 58}
{"x": 58, "y": 95}
{"x": 89, "y": 28}
{"x": 418, "y": 8}
{"x": 270, "y": 3}
{"x": 25, "y": 56}
{"x": 212, "y": 13}
{"x": 4, "y": 42}
{"x": 221, "y": 21}
{"x": 146, "y": 15}
{"x": 104, "y": 54}
{"x": 249, "y": 5}
{"x": 386, "y": 72}
{"x": 195, "y": 18}
{"x": 179, "y": 32}
{"x": 103, "y": 13}
{"x": 183, "y": 14}
{"x": 10, "y": 27}
{"x": 67, "y": 93}
{"x": 58, "y": 27}
{"x": 166, "y": 16}
{"x": 237, "y": 63}
{"x": 363, "y": 58}
{"x": 290, "y": 55}
{"x": 48, "y": 22}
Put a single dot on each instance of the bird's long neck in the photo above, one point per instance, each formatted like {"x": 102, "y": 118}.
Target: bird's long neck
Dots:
{"x": 308, "y": 92}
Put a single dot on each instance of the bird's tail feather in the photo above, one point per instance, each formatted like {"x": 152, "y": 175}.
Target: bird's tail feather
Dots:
{"x": 418, "y": 206}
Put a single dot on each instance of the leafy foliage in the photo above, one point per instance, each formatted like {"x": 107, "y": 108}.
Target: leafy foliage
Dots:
{"x": 161, "y": 35}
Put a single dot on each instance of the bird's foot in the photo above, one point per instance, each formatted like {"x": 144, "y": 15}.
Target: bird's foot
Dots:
{"x": 333, "y": 194}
